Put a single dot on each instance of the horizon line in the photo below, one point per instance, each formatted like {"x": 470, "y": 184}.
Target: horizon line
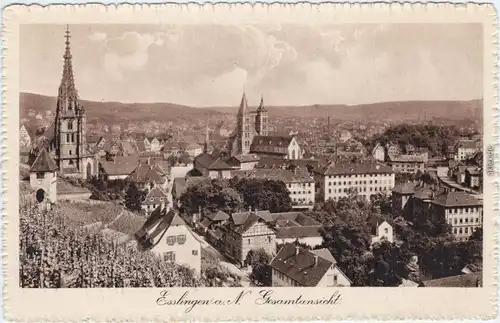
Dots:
{"x": 272, "y": 106}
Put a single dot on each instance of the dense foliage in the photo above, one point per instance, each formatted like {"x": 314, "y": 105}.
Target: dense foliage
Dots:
{"x": 261, "y": 271}
{"x": 55, "y": 254}
{"x": 236, "y": 194}
{"x": 263, "y": 194}
{"x": 436, "y": 138}
{"x": 134, "y": 198}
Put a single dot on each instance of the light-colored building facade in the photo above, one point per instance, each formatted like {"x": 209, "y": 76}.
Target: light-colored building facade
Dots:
{"x": 43, "y": 178}
{"x": 366, "y": 178}
{"x": 408, "y": 163}
{"x": 168, "y": 236}
{"x": 383, "y": 232}
{"x": 378, "y": 152}
{"x": 465, "y": 149}
{"x": 461, "y": 210}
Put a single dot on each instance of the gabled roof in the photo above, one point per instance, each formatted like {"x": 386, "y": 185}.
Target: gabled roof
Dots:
{"x": 455, "y": 199}
{"x": 466, "y": 144}
{"x": 300, "y": 265}
{"x": 158, "y": 222}
{"x": 156, "y": 193}
{"x": 218, "y": 216}
{"x": 246, "y": 158}
{"x": 121, "y": 165}
{"x": 43, "y": 163}
{"x": 404, "y": 188}
{"x": 207, "y": 161}
{"x": 418, "y": 158}
{"x": 271, "y": 144}
{"x": 145, "y": 173}
{"x": 325, "y": 254}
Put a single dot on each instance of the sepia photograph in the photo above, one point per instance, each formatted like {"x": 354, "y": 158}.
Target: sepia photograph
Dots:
{"x": 251, "y": 155}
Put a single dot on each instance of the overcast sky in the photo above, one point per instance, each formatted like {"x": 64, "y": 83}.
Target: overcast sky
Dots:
{"x": 210, "y": 65}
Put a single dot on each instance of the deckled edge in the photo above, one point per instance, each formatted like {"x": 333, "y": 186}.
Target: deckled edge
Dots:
{"x": 10, "y": 10}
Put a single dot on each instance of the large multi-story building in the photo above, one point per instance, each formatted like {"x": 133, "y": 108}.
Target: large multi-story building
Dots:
{"x": 407, "y": 163}
{"x": 367, "y": 178}
{"x": 461, "y": 210}
{"x": 66, "y": 138}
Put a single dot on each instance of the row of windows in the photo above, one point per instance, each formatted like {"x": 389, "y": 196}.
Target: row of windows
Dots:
{"x": 181, "y": 239}
{"x": 465, "y": 220}
{"x": 466, "y": 230}
{"x": 289, "y": 185}
{"x": 464, "y": 210}
{"x": 360, "y": 189}
{"x": 301, "y": 199}
{"x": 360, "y": 182}
{"x": 285, "y": 278}
{"x": 358, "y": 176}
{"x": 300, "y": 192}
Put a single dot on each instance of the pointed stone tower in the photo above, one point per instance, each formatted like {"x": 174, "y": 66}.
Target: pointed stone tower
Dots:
{"x": 261, "y": 119}
{"x": 69, "y": 127}
{"x": 43, "y": 178}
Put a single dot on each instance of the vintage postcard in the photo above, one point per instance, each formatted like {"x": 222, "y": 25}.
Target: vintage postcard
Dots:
{"x": 250, "y": 162}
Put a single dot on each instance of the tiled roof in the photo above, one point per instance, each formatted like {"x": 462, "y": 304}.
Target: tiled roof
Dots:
{"x": 207, "y": 161}
{"x": 418, "y": 158}
{"x": 271, "y": 144}
{"x": 246, "y": 158}
{"x": 287, "y": 176}
{"x": 299, "y": 217}
{"x": 300, "y": 266}
{"x": 145, "y": 173}
{"x": 464, "y": 280}
{"x": 218, "y": 216}
{"x": 158, "y": 222}
{"x": 269, "y": 162}
{"x": 120, "y": 165}
{"x": 294, "y": 232}
{"x": 404, "y": 188}
{"x": 325, "y": 254}
{"x": 466, "y": 144}
{"x": 452, "y": 199}
{"x": 348, "y": 168}
{"x": 43, "y": 163}
{"x": 128, "y": 223}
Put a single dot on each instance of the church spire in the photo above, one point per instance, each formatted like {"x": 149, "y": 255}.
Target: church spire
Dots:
{"x": 243, "y": 106}
{"x": 68, "y": 96}
{"x": 261, "y": 105}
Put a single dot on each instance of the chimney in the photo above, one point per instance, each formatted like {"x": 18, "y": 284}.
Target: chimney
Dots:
{"x": 297, "y": 250}
{"x": 315, "y": 260}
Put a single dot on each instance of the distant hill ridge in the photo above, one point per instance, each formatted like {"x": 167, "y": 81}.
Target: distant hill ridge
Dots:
{"x": 401, "y": 111}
